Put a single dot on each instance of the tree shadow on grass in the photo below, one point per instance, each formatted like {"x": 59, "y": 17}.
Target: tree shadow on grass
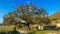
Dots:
{"x": 2, "y": 33}
{"x": 10, "y": 32}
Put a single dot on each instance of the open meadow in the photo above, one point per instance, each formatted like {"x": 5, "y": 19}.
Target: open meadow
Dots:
{"x": 6, "y": 28}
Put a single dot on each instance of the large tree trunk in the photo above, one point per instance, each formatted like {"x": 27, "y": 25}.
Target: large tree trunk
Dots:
{"x": 28, "y": 26}
{"x": 15, "y": 28}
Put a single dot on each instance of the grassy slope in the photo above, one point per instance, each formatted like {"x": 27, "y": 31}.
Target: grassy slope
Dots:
{"x": 55, "y": 15}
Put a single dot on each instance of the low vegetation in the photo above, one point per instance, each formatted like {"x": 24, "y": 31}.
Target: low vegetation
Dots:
{"x": 6, "y": 28}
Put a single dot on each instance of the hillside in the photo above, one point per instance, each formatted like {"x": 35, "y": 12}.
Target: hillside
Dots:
{"x": 55, "y": 15}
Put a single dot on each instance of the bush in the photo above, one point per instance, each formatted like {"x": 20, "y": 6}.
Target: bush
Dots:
{"x": 18, "y": 26}
{"x": 57, "y": 29}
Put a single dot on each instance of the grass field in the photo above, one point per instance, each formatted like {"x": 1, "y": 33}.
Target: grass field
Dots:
{"x": 58, "y": 20}
{"x": 47, "y": 32}
{"x": 10, "y": 28}
{"x": 6, "y": 28}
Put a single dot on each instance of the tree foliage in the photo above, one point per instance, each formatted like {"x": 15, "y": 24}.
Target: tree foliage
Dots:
{"x": 29, "y": 13}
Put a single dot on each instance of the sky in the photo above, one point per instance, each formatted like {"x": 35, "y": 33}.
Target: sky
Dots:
{"x": 51, "y": 6}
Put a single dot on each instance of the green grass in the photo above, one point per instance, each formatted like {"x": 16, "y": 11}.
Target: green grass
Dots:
{"x": 47, "y": 31}
{"x": 10, "y": 28}
{"x": 58, "y": 20}
{"x": 6, "y": 28}
{"x": 39, "y": 32}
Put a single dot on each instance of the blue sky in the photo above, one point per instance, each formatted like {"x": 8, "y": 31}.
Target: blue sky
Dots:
{"x": 6, "y": 6}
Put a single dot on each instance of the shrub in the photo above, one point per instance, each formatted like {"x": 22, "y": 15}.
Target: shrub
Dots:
{"x": 18, "y": 26}
{"x": 57, "y": 29}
